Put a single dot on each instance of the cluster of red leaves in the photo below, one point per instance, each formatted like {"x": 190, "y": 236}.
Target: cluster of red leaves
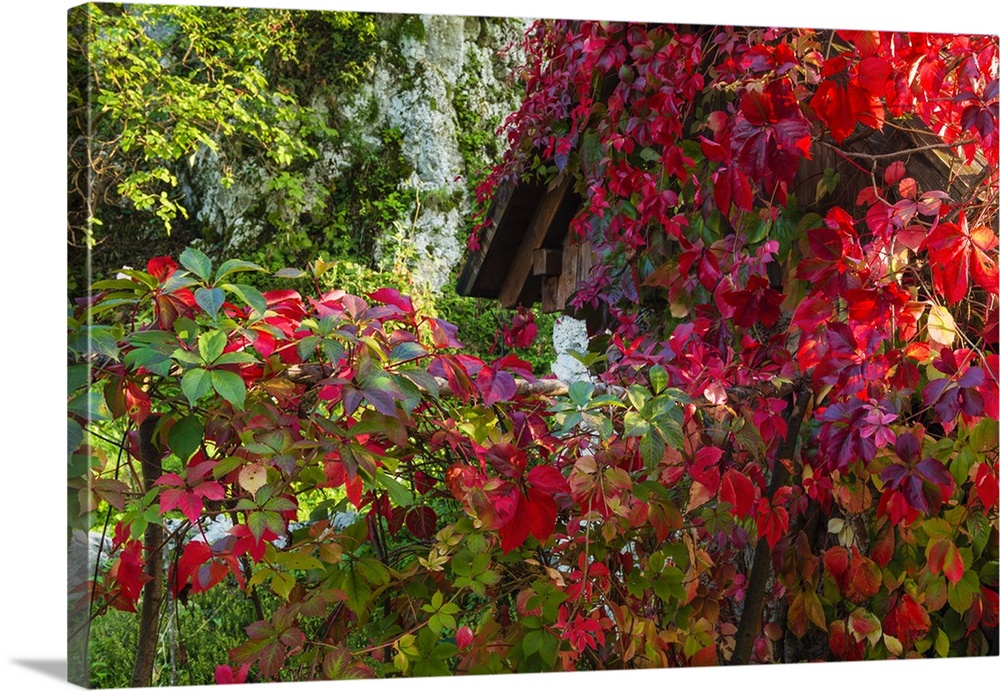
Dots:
{"x": 876, "y": 340}
{"x": 949, "y": 82}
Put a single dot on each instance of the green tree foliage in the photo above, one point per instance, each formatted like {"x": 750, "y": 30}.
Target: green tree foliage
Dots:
{"x": 153, "y": 88}
{"x": 153, "y": 84}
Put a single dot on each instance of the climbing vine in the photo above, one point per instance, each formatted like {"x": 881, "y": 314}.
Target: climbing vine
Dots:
{"x": 867, "y": 317}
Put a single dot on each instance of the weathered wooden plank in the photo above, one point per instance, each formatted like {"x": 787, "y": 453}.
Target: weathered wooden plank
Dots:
{"x": 577, "y": 262}
{"x": 474, "y": 264}
{"x": 550, "y": 294}
{"x": 548, "y": 262}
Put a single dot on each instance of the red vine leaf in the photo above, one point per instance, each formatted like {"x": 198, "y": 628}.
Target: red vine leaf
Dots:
{"x": 943, "y": 556}
{"x": 738, "y": 490}
{"x": 987, "y": 486}
{"x": 422, "y": 522}
{"x": 957, "y": 253}
{"x": 863, "y": 576}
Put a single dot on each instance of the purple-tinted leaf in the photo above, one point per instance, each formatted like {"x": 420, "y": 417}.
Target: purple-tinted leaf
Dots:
{"x": 991, "y": 91}
{"x": 352, "y": 399}
{"x": 381, "y": 399}
{"x": 933, "y": 495}
{"x": 354, "y": 305}
{"x": 866, "y": 448}
{"x": 842, "y": 444}
{"x": 495, "y": 386}
{"x": 913, "y": 490}
{"x": 948, "y": 405}
{"x": 946, "y": 363}
{"x": 906, "y": 447}
{"x": 932, "y": 392}
{"x": 934, "y": 470}
{"x": 790, "y": 133}
{"x": 893, "y": 474}
{"x": 381, "y": 391}
{"x": 972, "y": 403}
{"x": 973, "y": 377}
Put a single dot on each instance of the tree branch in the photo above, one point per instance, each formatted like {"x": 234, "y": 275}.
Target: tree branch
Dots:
{"x": 897, "y": 154}
{"x": 753, "y": 602}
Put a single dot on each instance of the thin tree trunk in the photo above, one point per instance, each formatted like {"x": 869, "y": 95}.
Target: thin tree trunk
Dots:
{"x": 152, "y": 592}
{"x": 172, "y": 608}
{"x": 252, "y": 593}
{"x": 753, "y": 602}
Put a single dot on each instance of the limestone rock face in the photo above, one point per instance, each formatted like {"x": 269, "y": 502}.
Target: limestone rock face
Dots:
{"x": 438, "y": 83}
{"x": 449, "y": 79}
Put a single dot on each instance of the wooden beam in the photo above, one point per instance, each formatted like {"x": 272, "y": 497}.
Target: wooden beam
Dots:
{"x": 548, "y": 262}
{"x": 550, "y": 292}
{"x": 524, "y": 260}
{"x": 473, "y": 265}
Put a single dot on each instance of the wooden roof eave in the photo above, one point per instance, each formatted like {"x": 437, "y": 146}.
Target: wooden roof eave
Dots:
{"x": 524, "y": 218}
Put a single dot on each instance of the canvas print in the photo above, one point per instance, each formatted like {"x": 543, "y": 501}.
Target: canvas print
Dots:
{"x": 411, "y": 345}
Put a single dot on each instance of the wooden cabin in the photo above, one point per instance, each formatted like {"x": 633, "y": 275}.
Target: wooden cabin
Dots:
{"x": 527, "y": 254}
